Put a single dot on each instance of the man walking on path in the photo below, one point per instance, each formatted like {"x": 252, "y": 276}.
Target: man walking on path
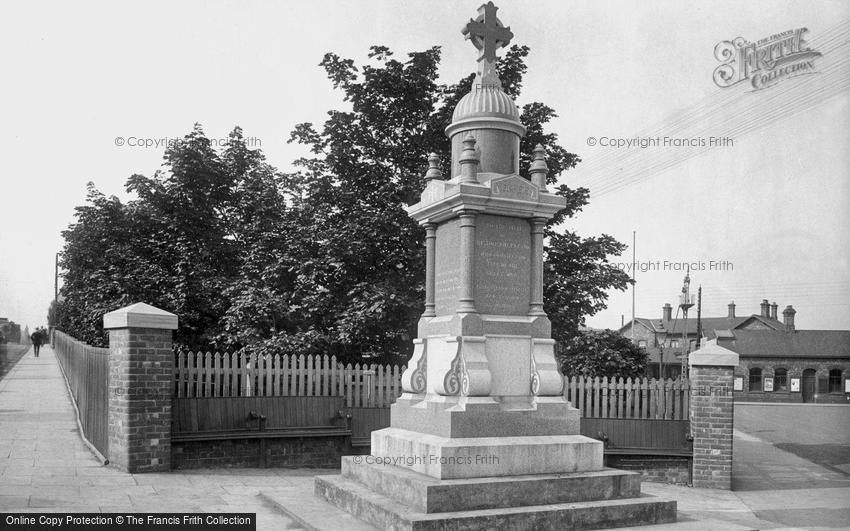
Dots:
{"x": 36, "y": 338}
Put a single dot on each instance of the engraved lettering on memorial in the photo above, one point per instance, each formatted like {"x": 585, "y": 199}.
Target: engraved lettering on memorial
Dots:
{"x": 446, "y": 282}
{"x": 503, "y": 250}
{"x": 515, "y": 188}
{"x": 447, "y": 275}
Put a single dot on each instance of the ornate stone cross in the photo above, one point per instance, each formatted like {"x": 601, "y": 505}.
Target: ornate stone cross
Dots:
{"x": 487, "y": 34}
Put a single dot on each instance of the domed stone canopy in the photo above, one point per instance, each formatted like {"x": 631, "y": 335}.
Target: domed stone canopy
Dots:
{"x": 492, "y": 118}
{"x": 486, "y": 102}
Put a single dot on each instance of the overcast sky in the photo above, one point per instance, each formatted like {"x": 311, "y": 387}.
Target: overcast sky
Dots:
{"x": 773, "y": 204}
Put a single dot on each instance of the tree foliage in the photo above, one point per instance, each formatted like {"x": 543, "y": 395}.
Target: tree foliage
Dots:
{"x": 602, "y": 353}
{"x": 322, "y": 260}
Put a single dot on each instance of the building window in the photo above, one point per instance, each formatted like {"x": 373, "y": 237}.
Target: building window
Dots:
{"x": 674, "y": 343}
{"x": 642, "y": 343}
{"x": 780, "y": 379}
{"x": 755, "y": 379}
{"x": 835, "y": 381}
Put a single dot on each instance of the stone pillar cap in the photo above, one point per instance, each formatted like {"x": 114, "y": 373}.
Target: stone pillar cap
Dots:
{"x": 140, "y": 315}
{"x": 713, "y": 355}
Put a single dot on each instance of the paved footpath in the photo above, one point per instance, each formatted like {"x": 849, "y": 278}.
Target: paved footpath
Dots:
{"x": 46, "y": 467}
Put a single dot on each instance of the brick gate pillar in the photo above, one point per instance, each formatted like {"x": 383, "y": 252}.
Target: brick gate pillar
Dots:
{"x": 141, "y": 383}
{"x": 712, "y": 415}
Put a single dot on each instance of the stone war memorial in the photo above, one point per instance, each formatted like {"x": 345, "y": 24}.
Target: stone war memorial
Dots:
{"x": 482, "y": 437}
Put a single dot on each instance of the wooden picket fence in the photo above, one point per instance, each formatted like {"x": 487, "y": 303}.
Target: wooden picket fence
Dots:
{"x": 86, "y": 369}
{"x": 208, "y": 375}
{"x": 627, "y": 398}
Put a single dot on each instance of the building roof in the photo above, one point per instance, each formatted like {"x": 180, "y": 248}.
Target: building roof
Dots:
{"x": 676, "y": 326}
{"x": 798, "y": 344}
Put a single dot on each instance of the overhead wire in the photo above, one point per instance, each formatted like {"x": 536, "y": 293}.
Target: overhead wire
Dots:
{"x": 712, "y": 102}
{"x": 701, "y": 119}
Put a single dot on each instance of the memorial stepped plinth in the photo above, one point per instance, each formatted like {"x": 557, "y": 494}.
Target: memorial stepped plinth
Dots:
{"x": 390, "y": 497}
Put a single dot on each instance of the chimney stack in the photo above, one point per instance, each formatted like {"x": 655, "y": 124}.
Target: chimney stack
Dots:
{"x": 765, "y": 308}
{"x": 788, "y": 314}
{"x": 773, "y": 309}
{"x": 667, "y": 312}
{"x": 731, "y": 310}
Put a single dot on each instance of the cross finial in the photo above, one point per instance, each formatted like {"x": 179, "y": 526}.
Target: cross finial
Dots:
{"x": 487, "y": 34}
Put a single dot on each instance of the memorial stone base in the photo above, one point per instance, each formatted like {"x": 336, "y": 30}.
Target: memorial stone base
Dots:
{"x": 475, "y": 465}
{"x": 390, "y": 497}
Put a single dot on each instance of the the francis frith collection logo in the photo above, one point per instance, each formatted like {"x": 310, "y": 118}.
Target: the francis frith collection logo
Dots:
{"x": 765, "y": 62}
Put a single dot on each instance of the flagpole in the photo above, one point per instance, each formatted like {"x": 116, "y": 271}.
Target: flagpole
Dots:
{"x": 634, "y": 266}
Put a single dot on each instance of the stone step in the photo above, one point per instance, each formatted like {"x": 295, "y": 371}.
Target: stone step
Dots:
{"x": 311, "y": 512}
{"x": 428, "y": 495}
{"x": 386, "y": 513}
{"x": 482, "y": 457}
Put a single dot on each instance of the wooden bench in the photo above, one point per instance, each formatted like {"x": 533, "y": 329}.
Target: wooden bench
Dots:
{"x": 230, "y": 418}
{"x": 274, "y": 433}
{"x": 672, "y": 452}
{"x": 359, "y": 442}
{"x": 656, "y": 437}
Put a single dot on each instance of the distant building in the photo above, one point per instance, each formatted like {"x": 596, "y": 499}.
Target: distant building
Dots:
{"x": 664, "y": 335}
{"x": 789, "y": 365}
{"x": 778, "y": 363}
{"x": 10, "y": 332}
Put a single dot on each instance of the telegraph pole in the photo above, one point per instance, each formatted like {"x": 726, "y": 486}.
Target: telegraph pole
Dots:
{"x": 56, "y": 278}
{"x": 55, "y": 296}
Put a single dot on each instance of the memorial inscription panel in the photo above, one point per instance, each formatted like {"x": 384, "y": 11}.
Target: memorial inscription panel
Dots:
{"x": 447, "y": 274}
{"x": 502, "y": 265}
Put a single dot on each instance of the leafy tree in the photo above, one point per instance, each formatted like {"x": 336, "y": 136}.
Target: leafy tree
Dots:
{"x": 191, "y": 249}
{"x": 602, "y": 353}
{"x": 262, "y": 315}
{"x": 94, "y": 265}
{"x": 323, "y": 260}
{"x": 362, "y": 281}
{"x": 171, "y": 247}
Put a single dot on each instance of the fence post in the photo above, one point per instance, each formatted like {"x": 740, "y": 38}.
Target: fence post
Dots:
{"x": 141, "y": 365}
{"x": 712, "y": 415}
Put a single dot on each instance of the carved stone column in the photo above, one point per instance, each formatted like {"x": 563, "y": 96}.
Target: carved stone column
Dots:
{"x": 467, "y": 262}
{"x": 430, "y": 267}
{"x": 536, "y": 303}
